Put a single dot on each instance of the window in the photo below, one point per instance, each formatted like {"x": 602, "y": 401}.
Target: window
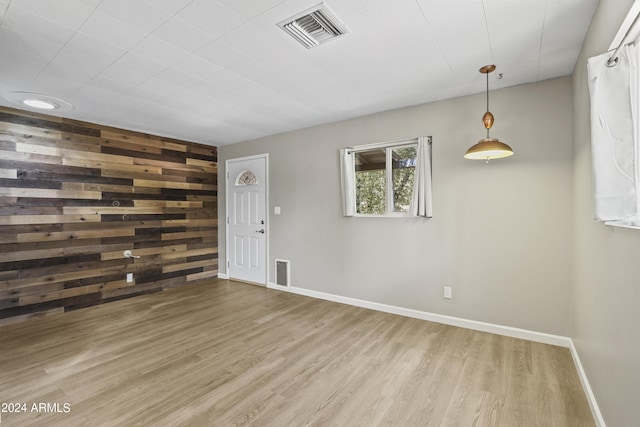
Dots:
{"x": 384, "y": 179}
{"x": 246, "y": 178}
{"x": 391, "y": 179}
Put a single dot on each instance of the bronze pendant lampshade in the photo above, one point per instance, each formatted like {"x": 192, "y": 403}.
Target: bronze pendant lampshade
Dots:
{"x": 488, "y": 148}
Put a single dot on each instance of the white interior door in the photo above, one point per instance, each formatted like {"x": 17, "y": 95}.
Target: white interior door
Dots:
{"x": 247, "y": 219}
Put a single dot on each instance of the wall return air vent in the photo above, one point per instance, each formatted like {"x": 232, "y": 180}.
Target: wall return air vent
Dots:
{"x": 314, "y": 27}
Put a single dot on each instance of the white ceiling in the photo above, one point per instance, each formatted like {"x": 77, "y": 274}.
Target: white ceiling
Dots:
{"x": 219, "y": 72}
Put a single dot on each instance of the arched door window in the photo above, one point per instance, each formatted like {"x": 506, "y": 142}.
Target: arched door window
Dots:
{"x": 246, "y": 177}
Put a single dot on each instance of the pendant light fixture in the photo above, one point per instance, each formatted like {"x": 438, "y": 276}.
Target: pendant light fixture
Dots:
{"x": 488, "y": 148}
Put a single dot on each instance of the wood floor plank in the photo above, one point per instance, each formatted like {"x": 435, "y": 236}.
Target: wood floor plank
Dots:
{"x": 221, "y": 353}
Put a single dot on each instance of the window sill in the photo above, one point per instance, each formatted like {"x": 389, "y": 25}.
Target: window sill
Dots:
{"x": 387, "y": 215}
{"x": 624, "y": 224}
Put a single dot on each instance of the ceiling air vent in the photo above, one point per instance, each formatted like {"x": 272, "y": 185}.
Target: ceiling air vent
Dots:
{"x": 314, "y": 27}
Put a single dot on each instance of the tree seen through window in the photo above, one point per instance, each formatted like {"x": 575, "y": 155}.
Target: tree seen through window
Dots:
{"x": 384, "y": 179}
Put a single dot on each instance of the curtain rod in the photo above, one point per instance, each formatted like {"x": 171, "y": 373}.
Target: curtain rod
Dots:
{"x": 613, "y": 59}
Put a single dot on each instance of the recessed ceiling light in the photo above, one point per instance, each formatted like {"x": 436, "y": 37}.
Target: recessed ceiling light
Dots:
{"x": 37, "y": 101}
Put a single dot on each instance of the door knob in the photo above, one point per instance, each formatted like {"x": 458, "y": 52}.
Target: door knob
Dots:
{"x": 260, "y": 231}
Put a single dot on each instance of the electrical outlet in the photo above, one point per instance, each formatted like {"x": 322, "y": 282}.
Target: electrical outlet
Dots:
{"x": 129, "y": 277}
{"x": 447, "y": 292}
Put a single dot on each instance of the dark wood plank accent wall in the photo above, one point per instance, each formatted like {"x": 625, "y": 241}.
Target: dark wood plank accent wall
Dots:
{"x": 74, "y": 196}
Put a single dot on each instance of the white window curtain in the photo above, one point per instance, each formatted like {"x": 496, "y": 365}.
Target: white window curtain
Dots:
{"x": 421, "y": 203}
{"x": 348, "y": 182}
{"x": 615, "y": 145}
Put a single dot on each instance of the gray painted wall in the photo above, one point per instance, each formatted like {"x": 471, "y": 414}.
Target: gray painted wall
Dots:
{"x": 607, "y": 260}
{"x": 501, "y": 232}
{"x": 515, "y": 238}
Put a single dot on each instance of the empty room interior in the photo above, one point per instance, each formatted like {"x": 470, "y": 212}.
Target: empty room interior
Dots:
{"x": 292, "y": 213}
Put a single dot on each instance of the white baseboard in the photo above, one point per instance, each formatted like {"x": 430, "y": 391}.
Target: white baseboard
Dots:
{"x": 433, "y": 317}
{"x": 464, "y": 323}
{"x": 223, "y": 276}
{"x": 593, "y": 404}
{"x": 272, "y": 285}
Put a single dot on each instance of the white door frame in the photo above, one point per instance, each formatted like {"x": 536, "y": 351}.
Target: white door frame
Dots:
{"x": 265, "y": 156}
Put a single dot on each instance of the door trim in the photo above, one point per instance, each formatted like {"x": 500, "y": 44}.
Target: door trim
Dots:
{"x": 264, "y": 156}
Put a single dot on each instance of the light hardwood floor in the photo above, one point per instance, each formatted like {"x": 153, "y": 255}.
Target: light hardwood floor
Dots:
{"x": 224, "y": 353}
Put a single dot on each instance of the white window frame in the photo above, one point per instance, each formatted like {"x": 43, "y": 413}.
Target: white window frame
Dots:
{"x": 388, "y": 147}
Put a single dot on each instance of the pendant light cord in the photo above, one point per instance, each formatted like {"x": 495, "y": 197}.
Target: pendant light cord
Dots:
{"x": 487, "y": 104}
